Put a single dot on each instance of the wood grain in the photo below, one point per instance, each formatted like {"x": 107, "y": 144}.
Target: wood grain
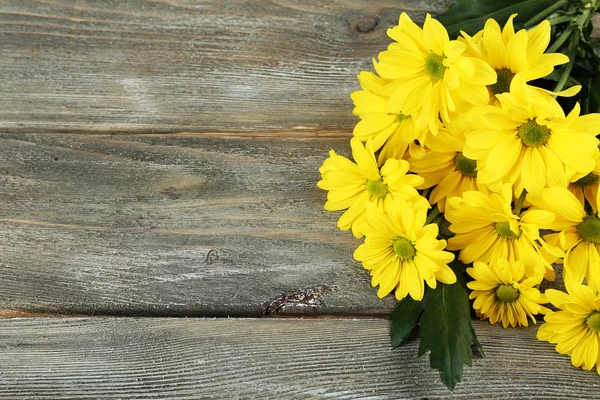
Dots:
{"x": 189, "y": 65}
{"x": 267, "y": 359}
{"x": 173, "y": 226}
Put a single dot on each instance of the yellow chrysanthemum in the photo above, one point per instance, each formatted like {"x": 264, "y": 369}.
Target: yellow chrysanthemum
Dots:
{"x": 529, "y": 143}
{"x": 510, "y": 53}
{"x": 579, "y": 233}
{"x": 504, "y": 294}
{"x": 402, "y": 252}
{"x": 352, "y": 185}
{"x": 487, "y": 230}
{"x": 445, "y": 167}
{"x": 430, "y": 73}
{"x": 586, "y": 187}
{"x": 575, "y": 329}
{"x": 391, "y": 132}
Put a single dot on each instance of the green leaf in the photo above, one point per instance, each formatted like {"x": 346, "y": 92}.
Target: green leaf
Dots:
{"x": 595, "y": 44}
{"x": 586, "y": 71}
{"x": 470, "y": 15}
{"x": 404, "y": 318}
{"x": 476, "y": 343}
{"x": 446, "y": 331}
{"x": 460, "y": 270}
{"x": 592, "y": 100}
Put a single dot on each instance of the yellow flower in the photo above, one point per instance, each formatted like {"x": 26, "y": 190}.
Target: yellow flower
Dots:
{"x": 391, "y": 132}
{"x": 352, "y": 185}
{"x": 575, "y": 329}
{"x": 529, "y": 143}
{"x": 487, "y": 230}
{"x": 503, "y": 293}
{"x": 579, "y": 233}
{"x": 402, "y": 252}
{"x": 510, "y": 53}
{"x": 586, "y": 187}
{"x": 429, "y": 72}
{"x": 445, "y": 167}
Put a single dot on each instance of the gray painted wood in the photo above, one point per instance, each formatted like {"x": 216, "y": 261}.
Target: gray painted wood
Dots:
{"x": 269, "y": 359}
{"x": 189, "y": 65}
{"x": 173, "y": 226}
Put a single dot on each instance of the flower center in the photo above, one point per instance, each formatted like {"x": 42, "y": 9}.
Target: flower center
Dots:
{"x": 502, "y": 85}
{"x": 434, "y": 66}
{"x": 593, "y": 321}
{"x": 377, "y": 188}
{"x": 533, "y": 134}
{"x": 589, "y": 230}
{"x": 465, "y": 165}
{"x": 503, "y": 229}
{"x": 404, "y": 249}
{"x": 401, "y": 117}
{"x": 507, "y": 293}
{"x": 587, "y": 180}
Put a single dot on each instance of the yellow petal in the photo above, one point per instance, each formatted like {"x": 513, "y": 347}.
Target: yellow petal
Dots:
{"x": 500, "y": 160}
{"x": 435, "y": 35}
{"x": 544, "y": 65}
{"x": 493, "y": 43}
{"x": 555, "y": 171}
{"x": 453, "y": 51}
{"x": 533, "y": 171}
{"x": 559, "y": 201}
{"x": 365, "y": 159}
{"x": 484, "y": 74}
{"x": 516, "y": 52}
{"x": 576, "y": 263}
{"x": 445, "y": 275}
{"x": 509, "y": 30}
{"x": 557, "y": 298}
{"x": 541, "y": 218}
{"x": 538, "y": 40}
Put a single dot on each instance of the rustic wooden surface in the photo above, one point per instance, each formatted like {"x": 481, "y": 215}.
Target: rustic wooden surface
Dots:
{"x": 173, "y": 226}
{"x": 189, "y": 65}
{"x": 159, "y": 158}
{"x": 270, "y": 359}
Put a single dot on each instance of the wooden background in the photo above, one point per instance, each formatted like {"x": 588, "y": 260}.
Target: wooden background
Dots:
{"x": 159, "y": 159}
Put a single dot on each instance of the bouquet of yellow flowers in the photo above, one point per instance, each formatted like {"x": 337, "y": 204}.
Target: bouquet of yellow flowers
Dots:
{"x": 475, "y": 173}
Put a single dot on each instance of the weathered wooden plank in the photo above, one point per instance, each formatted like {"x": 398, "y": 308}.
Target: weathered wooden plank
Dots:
{"x": 268, "y": 359}
{"x": 173, "y": 225}
{"x": 189, "y": 65}
{"x": 193, "y": 65}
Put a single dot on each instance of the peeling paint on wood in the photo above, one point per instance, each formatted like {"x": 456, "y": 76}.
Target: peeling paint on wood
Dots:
{"x": 311, "y": 298}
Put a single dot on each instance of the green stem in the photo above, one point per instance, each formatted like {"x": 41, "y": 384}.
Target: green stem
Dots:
{"x": 434, "y": 213}
{"x": 560, "y": 19}
{"x": 426, "y": 192}
{"x": 566, "y": 72}
{"x": 544, "y": 13}
{"x": 561, "y": 39}
{"x": 586, "y": 16}
{"x": 520, "y": 200}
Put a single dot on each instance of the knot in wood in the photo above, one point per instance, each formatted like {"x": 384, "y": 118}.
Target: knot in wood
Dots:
{"x": 211, "y": 256}
{"x": 367, "y": 23}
